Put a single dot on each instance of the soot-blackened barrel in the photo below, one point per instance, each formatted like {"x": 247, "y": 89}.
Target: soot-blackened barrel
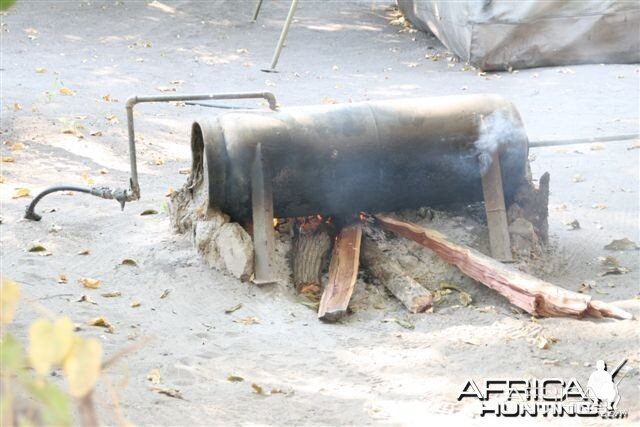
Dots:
{"x": 369, "y": 156}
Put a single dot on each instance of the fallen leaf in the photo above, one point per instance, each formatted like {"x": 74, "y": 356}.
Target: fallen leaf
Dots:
{"x": 21, "y": 192}
{"x": 129, "y": 261}
{"x": 7, "y": 159}
{"x": 136, "y": 304}
{"x": 622, "y": 245}
{"x": 171, "y": 392}
{"x": 16, "y": 146}
{"x": 465, "y": 298}
{"x": 249, "y": 320}
{"x": 83, "y": 365}
{"x": 95, "y": 133}
{"x": 9, "y": 295}
{"x": 242, "y": 50}
{"x": 573, "y": 225}
{"x": 84, "y": 252}
{"x": 184, "y": 171}
{"x": 41, "y": 70}
{"x": 586, "y": 286}
{"x": 85, "y": 298}
{"x": 257, "y": 389}
{"x": 66, "y": 91}
{"x": 596, "y": 147}
{"x": 87, "y": 178}
{"x": 235, "y": 379}
{"x": 49, "y": 343}
{"x": 313, "y": 305}
{"x": 614, "y": 271}
{"x": 111, "y": 294}
{"x": 101, "y": 322}
{"x": 17, "y": 107}
{"x": 578, "y": 178}
{"x": 103, "y": 171}
{"x": 544, "y": 342}
{"x": 90, "y": 283}
{"x": 154, "y": 376}
{"x": 165, "y": 293}
{"x": 149, "y": 212}
{"x": 234, "y": 308}
{"x": 600, "y": 206}
{"x": 108, "y": 98}
{"x": 62, "y": 278}
{"x": 37, "y": 248}
{"x": 112, "y": 119}
{"x": 402, "y": 322}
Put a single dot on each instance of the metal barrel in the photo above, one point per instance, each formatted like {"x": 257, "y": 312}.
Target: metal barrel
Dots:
{"x": 370, "y": 156}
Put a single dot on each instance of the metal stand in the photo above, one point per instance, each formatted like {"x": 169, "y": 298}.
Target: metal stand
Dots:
{"x": 496, "y": 212}
{"x": 262, "y": 206}
{"x": 283, "y": 34}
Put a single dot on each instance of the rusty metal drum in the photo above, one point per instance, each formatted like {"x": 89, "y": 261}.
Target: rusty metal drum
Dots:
{"x": 374, "y": 156}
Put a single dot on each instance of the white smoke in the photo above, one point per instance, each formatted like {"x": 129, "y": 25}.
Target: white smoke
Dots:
{"x": 496, "y": 130}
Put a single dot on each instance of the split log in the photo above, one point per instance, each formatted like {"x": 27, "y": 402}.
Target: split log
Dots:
{"x": 343, "y": 272}
{"x": 311, "y": 245}
{"x": 415, "y": 297}
{"x": 496, "y": 212}
{"x": 531, "y": 294}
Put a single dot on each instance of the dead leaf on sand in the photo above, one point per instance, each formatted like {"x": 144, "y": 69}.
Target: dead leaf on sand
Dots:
{"x": 257, "y": 389}
{"x": 149, "y": 212}
{"x": 66, "y": 91}
{"x": 101, "y": 322}
{"x": 234, "y": 308}
{"x": 111, "y": 294}
{"x": 85, "y": 298}
{"x": 405, "y": 323}
{"x": 544, "y": 341}
{"x": 573, "y": 225}
{"x": 171, "y": 392}
{"x": 21, "y": 192}
{"x": 600, "y": 206}
{"x": 609, "y": 261}
{"x": 623, "y": 244}
{"x": 586, "y": 286}
{"x": 136, "y": 304}
{"x": 249, "y": 320}
{"x": 90, "y": 283}
{"x": 84, "y": 252}
{"x": 235, "y": 379}
{"x": 40, "y": 70}
{"x": 614, "y": 271}
{"x": 62, "y": 278}
{"x": 129, "y": 261}
{"x": 154, "y": 376}
{"x": 7, "y": 159}
{"x": 165, "y": 293}
{"x": 37, "y": 248}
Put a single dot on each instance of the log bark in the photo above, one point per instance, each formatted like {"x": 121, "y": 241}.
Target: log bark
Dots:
{"x": 343, "y": 272}
{"x": 311, "y": 245}
{"x": 531, "y": 294}
{"x": 415, "y": 297}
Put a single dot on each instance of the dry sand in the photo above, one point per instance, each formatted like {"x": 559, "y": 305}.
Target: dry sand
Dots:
{"x": 363, "y": 371}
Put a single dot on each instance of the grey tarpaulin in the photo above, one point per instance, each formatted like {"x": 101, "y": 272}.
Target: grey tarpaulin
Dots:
{"x": 498, "y": 34}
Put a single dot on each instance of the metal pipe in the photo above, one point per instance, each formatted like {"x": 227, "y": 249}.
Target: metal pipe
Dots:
{"x": 131, "y": 102}
{"x": 554, "y": 143}
{"x": 283, "y": 36}
{"x": 257, "y": 10}
{"x": 133, "y": 193}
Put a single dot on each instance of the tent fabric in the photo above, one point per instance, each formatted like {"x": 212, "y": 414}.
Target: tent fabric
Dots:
{"x": 503, "y": 34}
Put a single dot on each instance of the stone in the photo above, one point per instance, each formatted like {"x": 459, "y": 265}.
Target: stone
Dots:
{"x": 235, "y": 249}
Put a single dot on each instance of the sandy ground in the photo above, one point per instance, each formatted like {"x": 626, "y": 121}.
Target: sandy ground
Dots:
{"x": 363, "y": 371}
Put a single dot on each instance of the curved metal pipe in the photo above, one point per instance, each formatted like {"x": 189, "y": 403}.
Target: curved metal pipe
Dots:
{"x": 32, "y": 215}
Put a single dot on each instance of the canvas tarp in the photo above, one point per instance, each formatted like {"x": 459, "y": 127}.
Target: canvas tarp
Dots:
{"x": 499, "y": 34}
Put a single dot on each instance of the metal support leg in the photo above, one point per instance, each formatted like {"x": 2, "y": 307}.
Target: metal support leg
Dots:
{"x": 257, "y": 10}
{"x": 262, "y": 206}
{"x": 283, "y": 36}
{"x": 496, "y": 212}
